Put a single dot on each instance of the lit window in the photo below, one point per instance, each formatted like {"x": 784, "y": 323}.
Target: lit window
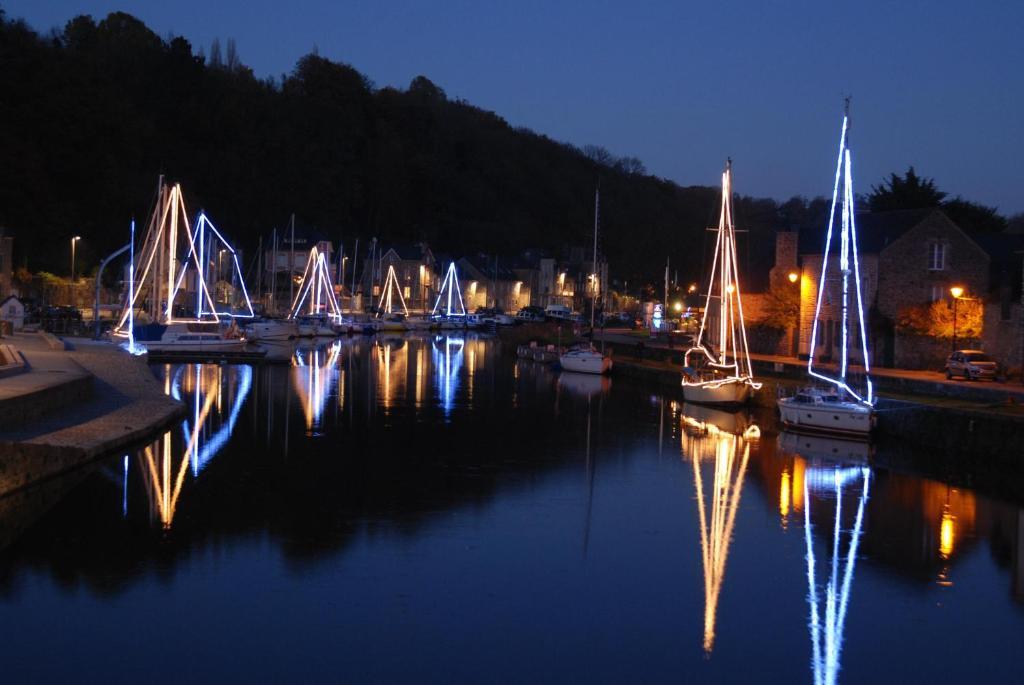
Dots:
{"x": 938, "y": 292}
{"x": 936, "y": 256}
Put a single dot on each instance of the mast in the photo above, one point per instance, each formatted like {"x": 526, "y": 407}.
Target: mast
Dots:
{"x": 291, "y": 262}
{"x": 273, "y": 278}
{"x": 352, "y": 293}
{"x": 259, "y": 269}
{"x": 593, "y": 293}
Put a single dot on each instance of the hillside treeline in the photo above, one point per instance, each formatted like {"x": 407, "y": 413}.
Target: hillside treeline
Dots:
{"x": 92, "y": 114}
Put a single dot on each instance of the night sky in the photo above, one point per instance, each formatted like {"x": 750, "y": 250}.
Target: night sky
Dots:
{"x": 680, "y": 85}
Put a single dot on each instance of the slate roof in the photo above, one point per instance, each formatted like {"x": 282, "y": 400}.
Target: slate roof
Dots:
{"x": 875, "y": 230}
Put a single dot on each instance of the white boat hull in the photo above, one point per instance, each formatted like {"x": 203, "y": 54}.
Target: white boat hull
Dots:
{"x": 190, "y": 346}
{"x": 840, "y": 418}
{"x": 722, "y": 393}
{"x": 587, "y": 362}
{"x": 272, "y": 330}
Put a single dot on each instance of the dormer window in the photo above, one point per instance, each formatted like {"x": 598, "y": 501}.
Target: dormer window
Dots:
{"x": 936, "y": 256}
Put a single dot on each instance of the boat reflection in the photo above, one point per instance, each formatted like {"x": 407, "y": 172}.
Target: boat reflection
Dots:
{"x": 314, "y": 373}
{"x": 391, "y": 353}
{"x": 447, "y": 355}
{"x": 826, "y": 483}
{"x": 216, "y": 395}
{"x": 727, "y": 449}
{"x": 584, "y": 384}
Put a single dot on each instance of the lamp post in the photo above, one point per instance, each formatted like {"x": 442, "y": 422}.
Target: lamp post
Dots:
{"x": 957, "y": 292}
{"x": 73, "y": 241}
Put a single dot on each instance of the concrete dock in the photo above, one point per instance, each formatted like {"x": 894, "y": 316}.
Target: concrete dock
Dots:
{"x": 72, "y": 404}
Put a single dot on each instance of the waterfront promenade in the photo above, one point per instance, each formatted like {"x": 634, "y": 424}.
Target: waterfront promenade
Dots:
{"x": 72, "y": 403}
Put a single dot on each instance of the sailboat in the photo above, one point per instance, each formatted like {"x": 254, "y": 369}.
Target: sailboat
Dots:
{"x": 717, "y": 369}
{"x": 587, "y": 358}
{"x": 449, "y": 310}
{"x": 836, "y": 406}
{"x": 390, "y": 317}
{"x": 173, "y": 258}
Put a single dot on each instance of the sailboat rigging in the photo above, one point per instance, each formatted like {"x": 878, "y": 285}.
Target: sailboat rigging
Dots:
{"x": 838, "y": 407}
{"x": 586, "y": 358}
{"x": 717, "y": 369}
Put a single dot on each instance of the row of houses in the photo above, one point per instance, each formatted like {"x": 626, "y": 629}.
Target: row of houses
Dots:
{"x": 509, "y": 282}
{"x": 926, "y": 284}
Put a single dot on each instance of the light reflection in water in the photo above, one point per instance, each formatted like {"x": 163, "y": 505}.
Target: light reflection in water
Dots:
{"x": 828, "y": 604}
{"x": 703, "y": 440}
{"x": 314, "y": 372}
{"x": 392, "y": 355}
{"x": 216, "y": 395}
{"x": 447, "y": 353}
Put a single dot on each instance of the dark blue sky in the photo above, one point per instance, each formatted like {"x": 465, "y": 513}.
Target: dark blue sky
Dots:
{"x": 681, "y": 85}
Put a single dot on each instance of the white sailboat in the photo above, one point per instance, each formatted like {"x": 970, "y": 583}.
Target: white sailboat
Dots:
{"x": 389, "y": 316}
{"x": 717, "y": 369}
{"x": 315, "y": 309}
{"x": 173, "y": 259}
{"x": 836, "y": 406}
{"x": 587, "y": 358}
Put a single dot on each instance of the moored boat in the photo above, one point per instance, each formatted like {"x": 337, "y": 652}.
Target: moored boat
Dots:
{"x": 187, "y": 337}
{"x": 836, "y": 406}
{"x": 271, "y": 329}
{"x": 717, "y": 369}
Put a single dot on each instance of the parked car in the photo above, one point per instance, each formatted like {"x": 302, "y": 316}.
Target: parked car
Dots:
{"x": 972, "y": 365}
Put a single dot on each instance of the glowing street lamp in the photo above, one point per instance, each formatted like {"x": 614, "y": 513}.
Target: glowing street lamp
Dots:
{"x": 957, "y": 292}
{"x": 679, "y": 306}
{"x": 793, "y": 276}
{"x": 692, "y": 289}
{"x": 73, "y": 241}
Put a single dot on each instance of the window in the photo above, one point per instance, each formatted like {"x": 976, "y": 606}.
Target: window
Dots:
{"x": 936, "y": 256}
{"x": 938, "y": 292}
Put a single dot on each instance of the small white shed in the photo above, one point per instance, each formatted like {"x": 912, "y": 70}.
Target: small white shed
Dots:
{"x": 12, "y": 309}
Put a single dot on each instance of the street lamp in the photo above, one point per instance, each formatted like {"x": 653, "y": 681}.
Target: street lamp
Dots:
{"x": 957, "y": 292}
{"x": 793, "y": 276}
{"x": 73, "y": 241}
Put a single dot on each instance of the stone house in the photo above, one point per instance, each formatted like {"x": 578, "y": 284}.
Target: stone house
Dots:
{"x": 415, "y": 267}
{"x": 908, "y": 258}
{"x": 487, "y": 282}
{"x": 283, "y": 269}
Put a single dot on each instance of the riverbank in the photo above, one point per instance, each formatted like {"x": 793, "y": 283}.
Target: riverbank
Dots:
{"x": 76, "y": 403}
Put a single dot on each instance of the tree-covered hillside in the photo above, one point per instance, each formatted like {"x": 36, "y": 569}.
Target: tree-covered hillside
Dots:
{"x": 92, "y": 114}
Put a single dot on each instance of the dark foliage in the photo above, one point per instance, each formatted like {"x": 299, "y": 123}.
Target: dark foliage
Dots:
{"x": 92, "y": 115}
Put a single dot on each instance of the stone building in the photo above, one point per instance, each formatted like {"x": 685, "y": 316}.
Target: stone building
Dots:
{"x": 907, "y": 259}
{"x": 415, "y": 267}
{"x": 487, "y": 282}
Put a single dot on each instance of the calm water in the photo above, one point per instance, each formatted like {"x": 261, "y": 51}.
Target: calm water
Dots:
{"x": 430, "y": 510}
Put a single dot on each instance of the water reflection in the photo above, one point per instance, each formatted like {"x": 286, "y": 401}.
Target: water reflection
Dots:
{"x": 447, "y": 354}
{"x": 314, "y": 374}
{"x": 722, "y": 440}
{"x": 826, "y": 483}
{"x": 216, "y": 395}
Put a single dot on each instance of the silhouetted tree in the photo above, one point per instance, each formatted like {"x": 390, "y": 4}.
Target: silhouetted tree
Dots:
{"x": 909, "y": 191}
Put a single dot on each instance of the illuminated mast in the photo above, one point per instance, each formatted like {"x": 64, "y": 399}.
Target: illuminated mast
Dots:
{"x": 316, "y": 289}
{"x": 391, "y": 287}
{"x": 159, "y": 261}
{"x": 729, "y": 375}
{"x": 848, "y": 262}
{"x": 448, "y": 286}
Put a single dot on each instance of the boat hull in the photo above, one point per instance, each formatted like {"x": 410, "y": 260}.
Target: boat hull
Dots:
{"x": 586, "y": 363}
{"x": 278, "y": 330}
{"x": 723, "y": 393}
{"x": 189, "y": 346}
{"x": 841, "y": 418}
